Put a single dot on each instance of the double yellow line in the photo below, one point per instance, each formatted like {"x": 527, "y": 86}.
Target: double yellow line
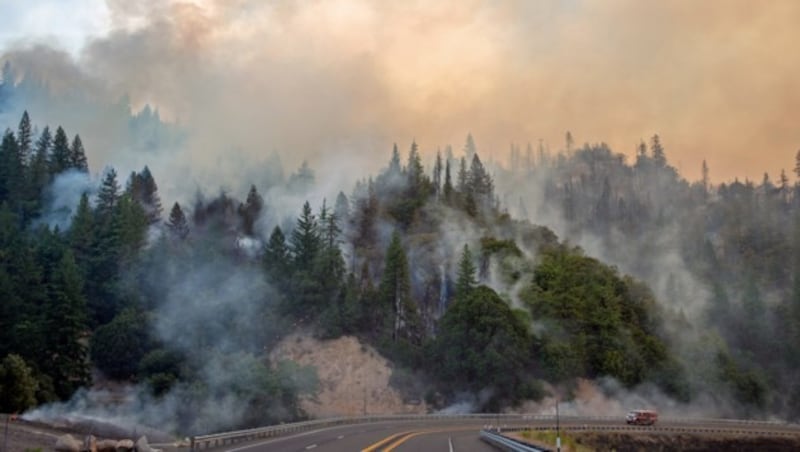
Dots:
{"x": 391, "y": 442}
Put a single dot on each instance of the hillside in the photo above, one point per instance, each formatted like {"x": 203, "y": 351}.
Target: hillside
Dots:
{"x": 420, "y": 290}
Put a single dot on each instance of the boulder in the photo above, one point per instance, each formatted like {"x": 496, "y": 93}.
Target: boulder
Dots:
{"x": 66, "y": 443}
{"x": 125, "y": 445}
{"x": 107, "y": 445}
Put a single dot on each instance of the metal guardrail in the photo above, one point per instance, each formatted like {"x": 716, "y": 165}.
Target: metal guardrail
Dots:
{"x": 495, "y": 420}
{"x": 508, "y": 444}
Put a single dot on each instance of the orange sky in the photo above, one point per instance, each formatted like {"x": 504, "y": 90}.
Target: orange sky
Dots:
{"x": 717, "y": 79}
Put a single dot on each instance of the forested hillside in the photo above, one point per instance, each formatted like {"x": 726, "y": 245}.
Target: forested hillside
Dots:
{"x": 452, "y": 270}
{"x": 722, "y": 258}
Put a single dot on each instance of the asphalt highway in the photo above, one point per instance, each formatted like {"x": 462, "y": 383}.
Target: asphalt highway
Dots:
{"x": 390, "y": 436}
{"x": 462, "y": 435}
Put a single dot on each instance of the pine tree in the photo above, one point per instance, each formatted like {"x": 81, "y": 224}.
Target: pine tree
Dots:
{"x": 305, "y": 241}
{"x": 78, "y": 156}
{"x": 394, "y": 164}
{"x": 130, "y": 224}
{"x": 414, "y": 171}
{"x": 437, "y": 174}
{"x": 24, "y": 138}
{"x": 66, "y": 323}
{"x": 11, "y": 171}
{"x": 463, "y": 177}
{"x": 465, "y": 280}
{"x": 365, "y": 214}
{"x": 102, "y": 293}
{"x": 143, "y": 189}
{"x": 469, "y": 147}
{"x": 250, "y": 210}
{"x": 277, "y": 256}
{"x": 658, "y": 151}
{"x": 108, "y": 196}
{"x": 479, "y": 182}
{"x": 330, "y": 267}
{"x": 395, "y": 293}
{"x": 447, "y": 189}
{"x": 308, "y": 293}
{"x": 61, "y": 156}
{"x": 177, "y": 224}
{"x": 81, "y": 234}
{"x": 38, "y": 170}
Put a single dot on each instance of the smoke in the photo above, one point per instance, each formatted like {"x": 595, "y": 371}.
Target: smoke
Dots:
{"x": 348, "y": 77}
{"x": 62, "y": 197}
{"x": 239, "y": 85}
{"x": 216, "y": 318}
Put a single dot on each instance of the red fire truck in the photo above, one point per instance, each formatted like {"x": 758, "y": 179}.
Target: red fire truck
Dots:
{"x": 641, "y": 417}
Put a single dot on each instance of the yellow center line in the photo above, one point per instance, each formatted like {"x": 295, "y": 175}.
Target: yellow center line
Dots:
{"x": 401, "y": 440}
{"x": 407, "y": 436}
{"x": 374, "y": 447}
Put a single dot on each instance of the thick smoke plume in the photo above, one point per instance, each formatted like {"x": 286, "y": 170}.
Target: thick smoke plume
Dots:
{"x": 351, "y": 76}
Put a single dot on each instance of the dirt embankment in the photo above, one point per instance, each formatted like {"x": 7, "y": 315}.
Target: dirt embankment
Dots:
{"x": 354, "y": 378}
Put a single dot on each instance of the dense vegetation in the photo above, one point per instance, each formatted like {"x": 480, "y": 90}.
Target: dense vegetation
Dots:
{"x": 424, "y": 264}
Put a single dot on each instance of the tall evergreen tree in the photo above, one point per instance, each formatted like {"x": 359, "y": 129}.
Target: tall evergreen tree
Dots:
{"x": 101, "y": 286}
{"x": 394, "y": 163}
{"x": 414, "y": 171}
{"x": 78, "y": 155}
{"x": 480, "y": 185}
{"x": 143, "y": 189}
{"x": 38, "y": 170}
{"x": 11, "y": 171}
{"x": 465, "y": 280}
{"x": 177, "y": 224}
{"x": 463, "y": 177}
{"x": 365, "y": 213}
{"x": 469, "y": 148}
{"x": 437, "y": 174}
{"x": 395, "y": 294}
{"x": 130, "y": 224}
{"x": 447, "y": 189}
{"x": 250, "y": 210}
{"x": 81, "y": 234}
{"x": 658, "y": 151}
{"x": 24, "y": 138}
{"x": 277, "y": 256}
{"x": 61, "y": 156}
{"x": 67, "y": 323}
{"x": 108, "y": 196}
{"x": 305, "y": 239}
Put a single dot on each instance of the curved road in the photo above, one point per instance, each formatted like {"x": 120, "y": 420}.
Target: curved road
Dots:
{"x": 399, "y": 436}
{"x": 463, "y": 435}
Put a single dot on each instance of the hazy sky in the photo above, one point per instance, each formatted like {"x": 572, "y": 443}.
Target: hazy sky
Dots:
{"x": 717, "y": 79}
